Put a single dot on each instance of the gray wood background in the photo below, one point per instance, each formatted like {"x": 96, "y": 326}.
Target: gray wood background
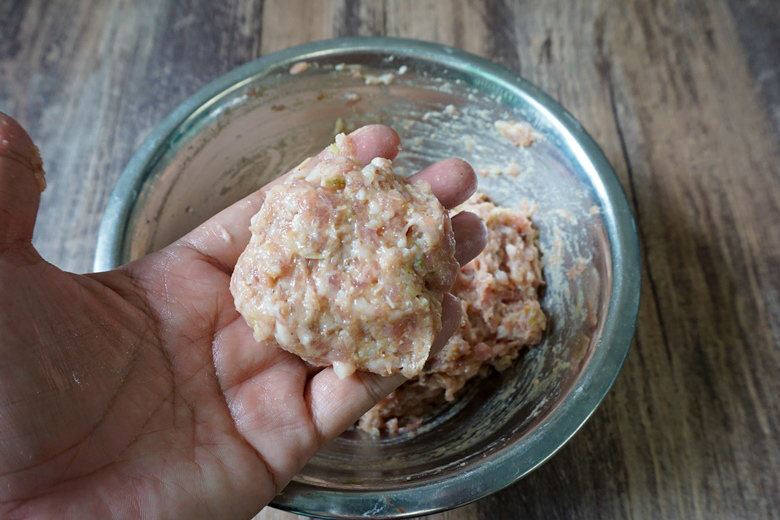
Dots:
{"x": 682, "y": 95}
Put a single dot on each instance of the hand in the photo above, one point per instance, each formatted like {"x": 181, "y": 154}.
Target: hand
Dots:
{"x": 140, "y": 391}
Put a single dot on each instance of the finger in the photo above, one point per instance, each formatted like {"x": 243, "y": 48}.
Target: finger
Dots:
{"x": 224, "y": 236}
{"x": 21, "y": 182}
{"x": 470, "y": 236}
{"x": 452, "y": 181}
{"x": 451, "y": 314}
{"x": 336, "y": 404}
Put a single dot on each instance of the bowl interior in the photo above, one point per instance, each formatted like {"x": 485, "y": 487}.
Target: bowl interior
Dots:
{"x": 260, "y": 127}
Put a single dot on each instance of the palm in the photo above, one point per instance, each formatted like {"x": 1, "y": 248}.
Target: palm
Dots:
{"x": 142, "y": 390}
{"x": 134, "y": 421}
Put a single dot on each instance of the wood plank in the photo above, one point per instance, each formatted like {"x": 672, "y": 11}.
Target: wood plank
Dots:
{"x": 289, "y": 23}
{"x": 699, "y": 150}
{"x": 757, "y": 24}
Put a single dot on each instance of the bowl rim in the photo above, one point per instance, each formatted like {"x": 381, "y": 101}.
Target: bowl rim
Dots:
{"x": 515, "y": 462}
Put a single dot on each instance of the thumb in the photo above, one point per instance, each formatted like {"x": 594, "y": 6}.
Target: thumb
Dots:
{"x": 21, "y": 182}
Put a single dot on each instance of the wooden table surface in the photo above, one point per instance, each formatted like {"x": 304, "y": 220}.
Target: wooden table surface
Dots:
{"x": 682, "y": 95}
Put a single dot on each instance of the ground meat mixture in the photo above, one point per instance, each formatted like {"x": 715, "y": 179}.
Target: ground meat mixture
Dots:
{"x": 347, "y": 265}
{"x": 520, "y": 134}
{"x": 499, "y": 293}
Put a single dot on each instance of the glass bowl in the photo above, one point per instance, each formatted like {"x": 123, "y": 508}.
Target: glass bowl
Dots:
{"x": 258, "y": 121}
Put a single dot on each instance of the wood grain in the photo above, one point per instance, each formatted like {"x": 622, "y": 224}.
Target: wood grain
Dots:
{"x": 682, "y": 95}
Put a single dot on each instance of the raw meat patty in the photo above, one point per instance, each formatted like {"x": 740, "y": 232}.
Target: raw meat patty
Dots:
{"x": 499, "y": 294}
{"x": 347, "y": 265}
